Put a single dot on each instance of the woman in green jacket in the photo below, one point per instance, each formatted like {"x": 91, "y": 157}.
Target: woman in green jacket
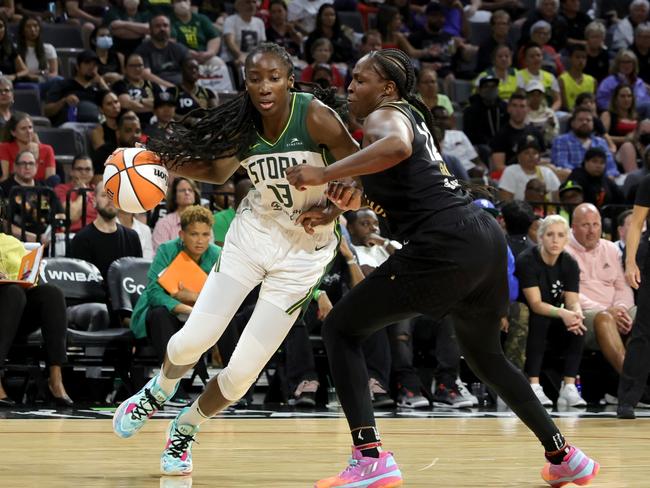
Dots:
{"x": 158, "y": 315}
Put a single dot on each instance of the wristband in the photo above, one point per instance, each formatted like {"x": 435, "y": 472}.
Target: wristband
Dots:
{"x": 555, "y": 313}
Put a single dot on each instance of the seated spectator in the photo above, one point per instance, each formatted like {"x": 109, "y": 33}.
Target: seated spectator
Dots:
{"x": 549, "y": 280}
{"x": 606, "y": 299}
{"x": 539, "y": 114}
{"x": 633, "y": 179}
{"x": 535, "y": 195}
{"x": 455, "y": 143}
{"x": 302, "y": 14}
{"x": 571, "y": 195}
{"x": 223, "y": 218}
{"x": 576, "y": 20}
{"x": 533, "y": 71}
{"x": 191, "y": 95}
{"x": 19, "y": 136}
{"x": 515, "y": 177}
{"x": 505, "y": 141}
{"x": 26, "y": 309}
{"x": 620, "y": 120}
{"x": 110, "y": 62}
{"x": 625, "y": 70}
{"x": 128, "y": 25}
{"x": 158, "y": 315}
{"x": 623, "y": 31}
{"x": 35, "y": 9}
{"x": 6, "y": 102}
{"x": 500, "y": 25}
{"x": 370, "y": 41}
{"x": 517, "y": 219}
{"x": 485, "y": 115}
{"x": 104, "y": 240}
{"x": 623, "y": 221}
{"x": 641, "y": 48}
{"x": 12, "y": 65}
{"x": 322, "y": 53}
{"x": 568, "y": 150}
{"x": 182, "y": 193}
{"x": 164, "y": 108}
{"x": 548, "y": 10}
{"x": 598, "y": 189}
{"x": 130, "y": 221}
{"x": 281, "y": 31}
{"x": 197, "y": 34}
{"x": 110, "y": 108}
{"x": 588, "y": 101}
{"x": 34, "y": 215}
{"x": 540, "y": 34}
{"x": 128, "y": 132}
{"x": 329, "y": 27}
{"x": 597, "y": 54}
{"x": 502, "y": 70}
{"x": 242, "y": 31}
{"x": 630, "y": 154}
{"x": 134, "y": 91}
{"x": 427, "y": 87}
{"x": 87, "y": 14}
{"x": 62, "y": 102}
{"x": 162, "y": 58}
{"x": 81, "y": 172}
{"x": 39, "y": 57}
{"x": 574, "y": 81}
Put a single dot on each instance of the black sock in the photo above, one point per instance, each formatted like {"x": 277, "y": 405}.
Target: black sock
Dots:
{"x": 367, "y": 439}
{"x": 556, "y": 449}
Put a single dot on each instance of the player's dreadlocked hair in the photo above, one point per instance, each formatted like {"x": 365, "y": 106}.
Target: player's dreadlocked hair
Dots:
{"x": 223, "y": 131}
{"x": 395, "y": 65}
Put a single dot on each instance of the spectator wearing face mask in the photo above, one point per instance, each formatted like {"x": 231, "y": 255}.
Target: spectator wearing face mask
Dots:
{"x": 110, "y": 62}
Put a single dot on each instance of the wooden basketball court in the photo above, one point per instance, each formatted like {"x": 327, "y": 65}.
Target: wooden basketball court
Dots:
{"x": 288, "y": 453}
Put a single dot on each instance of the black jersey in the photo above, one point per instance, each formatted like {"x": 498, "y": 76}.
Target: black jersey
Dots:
{"x": 411, "y": 194}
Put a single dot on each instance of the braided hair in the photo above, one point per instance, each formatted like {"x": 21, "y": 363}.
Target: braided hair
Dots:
{"x": 226, "y": 130}
{"x": 395, "y": 65}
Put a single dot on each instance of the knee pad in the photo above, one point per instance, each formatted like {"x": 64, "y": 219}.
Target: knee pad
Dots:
{"x": 198, "y": 334}
{"x": 242, "y": 370}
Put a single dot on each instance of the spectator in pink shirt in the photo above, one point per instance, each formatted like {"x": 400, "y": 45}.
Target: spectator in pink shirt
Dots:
{"x": 606, "y": 299}
{"x": 181, "y": 194}
{"x": 82, "y": 175}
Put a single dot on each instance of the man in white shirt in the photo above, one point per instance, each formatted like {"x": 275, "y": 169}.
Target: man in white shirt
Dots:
{"x": 303, "y": 14}
{"x": 456, "y": 143}
{"x": 515, "y": 177}
{"x": 242, "y": 32}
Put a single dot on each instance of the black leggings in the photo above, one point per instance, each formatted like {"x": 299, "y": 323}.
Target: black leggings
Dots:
{"x": 23, "y": 311}
{"x": 636, "y": 366}
{"x": 539, "y": 329}
{"x": 461, "y": 270}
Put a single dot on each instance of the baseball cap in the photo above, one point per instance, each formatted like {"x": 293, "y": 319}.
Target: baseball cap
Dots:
{"x": 569, "y": 185}
{"x": 87, "y": 55}
{"x": 534, "y": 85}
{"x": 488, "y": 79}
{"x": 487, "y": 205}
{"x": 164, "y": 98}
{"x": 528, "y": 141}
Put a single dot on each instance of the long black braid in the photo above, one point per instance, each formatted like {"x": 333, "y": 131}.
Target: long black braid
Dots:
{"x": 395, "y": 65}
{"x": 226, "y": 130}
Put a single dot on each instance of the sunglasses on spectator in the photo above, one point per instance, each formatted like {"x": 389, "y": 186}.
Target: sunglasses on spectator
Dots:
{"x": 26, "y": 163}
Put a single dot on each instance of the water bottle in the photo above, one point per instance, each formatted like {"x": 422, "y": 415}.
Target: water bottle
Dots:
{"x": 72, "y": 113}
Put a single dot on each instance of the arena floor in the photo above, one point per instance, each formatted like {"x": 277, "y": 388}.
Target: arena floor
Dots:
{"x": 284, "y": 448}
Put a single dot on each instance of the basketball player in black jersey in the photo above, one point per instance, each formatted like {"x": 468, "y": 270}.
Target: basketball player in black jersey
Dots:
{"x": 453, "y": 262}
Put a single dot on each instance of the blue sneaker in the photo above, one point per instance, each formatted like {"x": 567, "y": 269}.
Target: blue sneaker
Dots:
{"x": 176, "y": 459}
{"x": 133, "y": 412}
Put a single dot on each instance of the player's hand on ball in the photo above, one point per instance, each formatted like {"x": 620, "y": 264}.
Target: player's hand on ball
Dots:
{"x": 303, "y": 175}
{"x": 345, "y": 196}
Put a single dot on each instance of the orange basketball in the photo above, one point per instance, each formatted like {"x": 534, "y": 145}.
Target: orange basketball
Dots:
{"x": 134, "y": 179}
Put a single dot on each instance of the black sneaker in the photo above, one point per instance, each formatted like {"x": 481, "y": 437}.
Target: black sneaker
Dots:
{"x": 379, "y": 395}
{"x": 305, "y": 394}
{"x": 450, "y": 397}
{"x": 624, "y": 411}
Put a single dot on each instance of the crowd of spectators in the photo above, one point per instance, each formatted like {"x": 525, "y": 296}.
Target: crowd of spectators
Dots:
{"x": 548, "y": 106}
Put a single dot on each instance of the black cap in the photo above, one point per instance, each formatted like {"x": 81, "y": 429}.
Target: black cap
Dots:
{"x": 528, "y": 141}
{"x": 569, "y": 185}
{"x": 595, "y": 152}
{"x": 433, "y": 8}
{"x": 488, "y": 79}
{"x": 164, "y": 97}
{"x": 87, "y": 55}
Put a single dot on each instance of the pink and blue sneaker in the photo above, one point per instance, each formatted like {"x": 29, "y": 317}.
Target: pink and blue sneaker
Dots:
{"x": 576, "y": 468}
{"x": 133, "y": 412}
{"x": 366, "y": 472}
{"x": 176, "y": 459}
